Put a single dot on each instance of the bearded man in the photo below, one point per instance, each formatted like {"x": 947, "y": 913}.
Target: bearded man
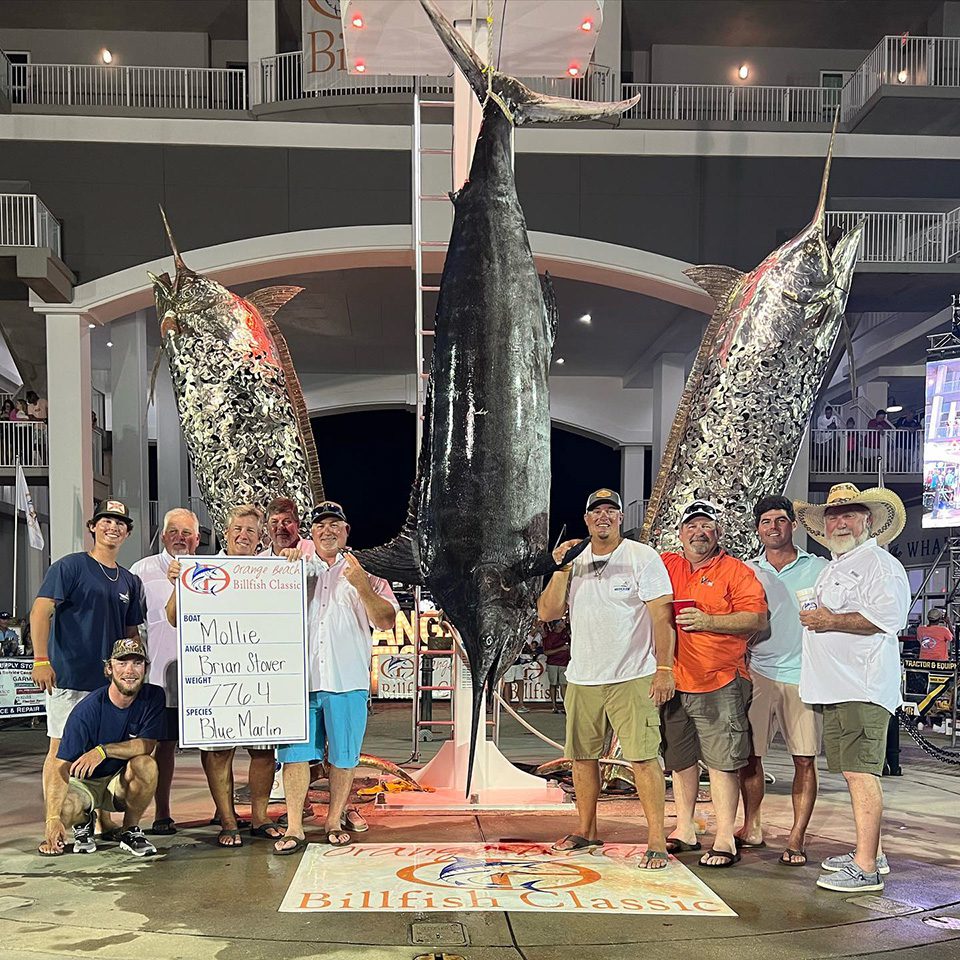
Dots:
{"x": 850, "y": 667}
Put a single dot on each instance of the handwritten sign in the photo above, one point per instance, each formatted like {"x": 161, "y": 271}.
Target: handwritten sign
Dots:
{"x": 19, "y": 695}
{"x": 242, "y": 651}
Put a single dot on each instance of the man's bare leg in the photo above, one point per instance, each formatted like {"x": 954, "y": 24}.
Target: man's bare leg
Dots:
{"x": 804, "y": 796}
{"x": 866, "y": 798}
{"x": 752, "y": 790}
{"x": 586, "y": 784}
{"x": 138, "y": 784}
{"x": 341, "y": 783}
{"x": 166, "y": 755}
{"x": 74, "y": 811}
{"x": 296, "y": 783}
{"x": 218, "y": 767}
{"x": 686, "y": 784}
{"x": 648, "y": 776}
{"x": 260, "y": 780}
{"x": 725, "y": 793}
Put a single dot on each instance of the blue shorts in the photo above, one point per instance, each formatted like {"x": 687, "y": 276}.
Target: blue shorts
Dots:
{"x": 338, "y": 722}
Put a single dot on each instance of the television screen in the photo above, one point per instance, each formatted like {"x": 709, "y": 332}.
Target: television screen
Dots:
{"x": 941, "y": 445}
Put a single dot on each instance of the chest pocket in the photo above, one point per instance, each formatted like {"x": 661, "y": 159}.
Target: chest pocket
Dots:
{"x": 838, "y": 592}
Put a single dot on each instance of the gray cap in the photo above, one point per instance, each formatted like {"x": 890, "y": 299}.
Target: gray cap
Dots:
{"x": 604, "y": 495}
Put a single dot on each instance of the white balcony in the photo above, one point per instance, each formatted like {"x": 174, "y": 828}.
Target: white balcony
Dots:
{"x": 866, "y": 452}
{"x": 25, "y": 221}
{"x": 903, "y": 237}
{"x": 23, "y": 442}
{"x": 99, "y": 85}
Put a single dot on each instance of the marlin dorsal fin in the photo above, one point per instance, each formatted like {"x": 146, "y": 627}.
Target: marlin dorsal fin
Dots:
{"x": 268, "y": 300}
{"x": 717, "y": 281}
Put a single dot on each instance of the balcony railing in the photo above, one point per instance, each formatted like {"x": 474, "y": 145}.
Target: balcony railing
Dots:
{"x": 99, "y": 85}
{"x": 903, "y": 237}
{"x": 902, "y": 61}
{"x": 633, "y": 514}
{"x": 25, "y": 221}
{"x": 866, "y": 451}
{"x": 702, "y": 102}
{"x": 23, "y": 440}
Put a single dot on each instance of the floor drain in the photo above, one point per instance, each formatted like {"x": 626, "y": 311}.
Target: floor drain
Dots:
{"x": 438, "y": 933}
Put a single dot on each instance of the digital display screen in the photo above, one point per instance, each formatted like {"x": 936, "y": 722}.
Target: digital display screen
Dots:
{"x": 941, "y": 445}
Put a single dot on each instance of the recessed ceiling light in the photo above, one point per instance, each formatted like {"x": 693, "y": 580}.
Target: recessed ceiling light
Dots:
{"x": 743, "y": 72}
{"x": 106, "y": 56}
{"x": 586, "y": 319}
{"x": 91, "y": 325}
{"x": 896, "y": 408}
{"x": 109, "y": 343}
{"x": 357, "y": 21}
{"x": 560, "y": 361}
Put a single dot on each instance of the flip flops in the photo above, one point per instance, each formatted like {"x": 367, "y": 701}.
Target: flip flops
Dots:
{"x": 334, "y": 838}
{"x": 264, "y": 831}
{"x": 163, "y": 827}
{"x": 652, "y": 857}
{"x": 229, "y": 833}
{"x": 742, "y": 844}
{"x": 575, "y": 842}
{"x": 298, "y": 844}
{"x": 785, "y": 858}
{"x": 729, "y": 859}
{"x": 676, "y": 846}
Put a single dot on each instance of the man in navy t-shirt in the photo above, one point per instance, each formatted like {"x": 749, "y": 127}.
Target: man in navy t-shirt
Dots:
{"x": 86, "y": 601}
{"x": 104, "y": 761}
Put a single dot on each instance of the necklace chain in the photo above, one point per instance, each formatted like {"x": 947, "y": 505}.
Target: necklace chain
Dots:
{"x": 599, "y": 565}
{"x": 107, "y": 575}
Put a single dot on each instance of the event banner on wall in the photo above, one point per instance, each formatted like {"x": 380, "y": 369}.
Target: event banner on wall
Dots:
{"x": 242, "y": 651}
{"x": 19, "y": 695}
{"x": 324, "y": 59}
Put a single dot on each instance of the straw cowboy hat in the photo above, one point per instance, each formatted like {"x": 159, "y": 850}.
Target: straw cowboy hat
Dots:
{"x": 886, "y": 508}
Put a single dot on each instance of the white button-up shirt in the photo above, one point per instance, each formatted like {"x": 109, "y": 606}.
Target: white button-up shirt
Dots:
{"x": 161, "y": 637}
{"x": 839, "y": 667}
{"x": 339, "y": 639}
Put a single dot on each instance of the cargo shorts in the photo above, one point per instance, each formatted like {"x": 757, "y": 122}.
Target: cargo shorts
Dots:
{"x": 711, "y": 727}
{"x": 855, "y": 736}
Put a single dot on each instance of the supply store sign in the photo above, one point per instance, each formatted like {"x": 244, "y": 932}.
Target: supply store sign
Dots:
{"x": 242, "y": 651}
{"x": 19, "y": 695}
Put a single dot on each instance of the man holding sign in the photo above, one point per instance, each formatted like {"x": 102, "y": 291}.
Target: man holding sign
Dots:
{"x": 344, "y": 602}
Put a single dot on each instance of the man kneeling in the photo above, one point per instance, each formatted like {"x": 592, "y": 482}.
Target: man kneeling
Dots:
{"x": 104, "y": 761}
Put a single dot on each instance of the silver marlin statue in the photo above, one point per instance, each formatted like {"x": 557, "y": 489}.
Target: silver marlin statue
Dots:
{"x": 242, "y": 412}
{"x": 750, "y": 393}
{"x": 476, "y": 532}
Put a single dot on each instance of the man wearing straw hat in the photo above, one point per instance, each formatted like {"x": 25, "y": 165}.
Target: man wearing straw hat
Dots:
{"x": 851, "y": 664}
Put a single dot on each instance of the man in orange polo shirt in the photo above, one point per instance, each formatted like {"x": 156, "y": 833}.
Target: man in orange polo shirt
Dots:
{"x": 707, "y": 717}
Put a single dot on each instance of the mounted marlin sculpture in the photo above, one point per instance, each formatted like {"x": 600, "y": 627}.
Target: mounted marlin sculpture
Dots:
{"x": 749, "y": 396}
{"x": 476, "y": 531}
{"x": 241, "y": 408}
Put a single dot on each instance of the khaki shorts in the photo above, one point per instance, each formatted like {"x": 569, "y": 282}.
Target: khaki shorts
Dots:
{"x": 626, "y": 708}
{"x": 855, "y": 736}
{"x": 711, "y": 727}
{"x": 100, "y": 792}
{"x": 556, "y": 675}
{"x": 777, "y": 705}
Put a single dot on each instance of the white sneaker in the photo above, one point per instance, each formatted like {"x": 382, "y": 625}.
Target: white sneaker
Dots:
{"x": 842, "y": 860}
{"x": 133, "y": 841}
{"x": 83, "y": 841}
{"x": 523, "y": 709}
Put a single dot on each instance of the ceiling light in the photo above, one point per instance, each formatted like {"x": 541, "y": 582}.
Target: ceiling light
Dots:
{"x": 360, "y": 67}
{"x": 560, "y": 361}
{"x": 586, "y": 26}
{"x": 91, "y": 325}
{"x": 109, "y": 343}
{"x": 586, "y": 319}
{"x": 896, "y": 408}
{"x": 106, "y": 56}
{"x": 743, "y": 72}
{"x": 902, "y": 76}
{"x": 573, "y": 70}
{"x": 357, "y": 21}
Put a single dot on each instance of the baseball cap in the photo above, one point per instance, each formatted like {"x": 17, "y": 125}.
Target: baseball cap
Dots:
{"x": 115, "y": 509}
{"x": 327, "y": 509}
{"x": 128, "y": 647}
{"x": 4, "y": 615}
{"x": 936, "y": 614}
{"x": 700, "y": 508}
{"x": 603, "y": 495}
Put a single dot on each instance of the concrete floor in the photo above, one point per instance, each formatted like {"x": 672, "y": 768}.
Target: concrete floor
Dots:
{"x": 198, "y": 902}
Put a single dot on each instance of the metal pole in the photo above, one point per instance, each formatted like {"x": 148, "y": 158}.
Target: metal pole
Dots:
{"x": 16, "y": 530}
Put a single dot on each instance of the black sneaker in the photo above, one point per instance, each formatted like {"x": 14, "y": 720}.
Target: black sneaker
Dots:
{"x": 133, "y": 841}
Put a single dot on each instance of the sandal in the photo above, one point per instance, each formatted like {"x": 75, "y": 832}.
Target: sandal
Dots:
{"x": 264, "y": 831}
{"x": 654, "y": 860}
{"x": 575, "y": 842}
{"x": 298, "y": 844}
{"x": 786, "y": 858}
{"x": 729, "y": 859}
{"x": 742, "y": 844}
{"x": 339, "y": 838}
{"x": 163, "y": 827}
{"x": 241, "y": 823}
{"x": 234, "y": 835}
{"x": 676, "y": 846}
{"x": 353, "y": 821}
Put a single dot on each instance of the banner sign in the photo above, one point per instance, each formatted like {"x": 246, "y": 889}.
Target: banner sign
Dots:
{"x": 242, "y": 651}
{"x": 400, "y": 878}
{"x": 19, "y": 695}
{"x": 324, "y": 57}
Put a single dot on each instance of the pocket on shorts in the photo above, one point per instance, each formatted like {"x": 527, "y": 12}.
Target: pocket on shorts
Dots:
{"x": 740, "y": 742}
{"x": 872, "y": 752}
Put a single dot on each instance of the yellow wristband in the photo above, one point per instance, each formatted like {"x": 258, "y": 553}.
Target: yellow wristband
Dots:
{"x": 41, "y": 663}
{"x": 665, "y": 668}
{"x": 103, "y": 753}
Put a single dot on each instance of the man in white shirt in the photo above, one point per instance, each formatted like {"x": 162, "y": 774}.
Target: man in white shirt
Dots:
{"x": 621, "y": 666}
{"x": 344, "y": 603}
{"x": 179, "y": 537}
{"x": 851, "y": 663}
{"x": 827, "y": 442}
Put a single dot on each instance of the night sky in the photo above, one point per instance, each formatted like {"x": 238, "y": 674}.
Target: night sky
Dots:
{"x": 367, "y": 461}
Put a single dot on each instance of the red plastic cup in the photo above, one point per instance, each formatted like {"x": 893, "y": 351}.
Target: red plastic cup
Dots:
{"x": 679, "y": 605}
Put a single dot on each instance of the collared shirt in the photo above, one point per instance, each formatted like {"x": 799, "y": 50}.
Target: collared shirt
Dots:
{"x": 162, "y": 643}
{"x": 706, "y": 660}
{"x": 776, "y": 653}
{"x": 306, "y": 547}
{"x": 839, "y": 667}
{"x": 339, "y": 638}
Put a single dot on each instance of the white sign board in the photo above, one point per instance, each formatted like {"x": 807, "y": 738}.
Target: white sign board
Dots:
{"x": 324, "y": 61}
{"x": 242, "y": 651}
{"x": 19, "y": 695}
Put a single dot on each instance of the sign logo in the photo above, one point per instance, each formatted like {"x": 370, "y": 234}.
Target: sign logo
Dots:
{"x": 206, "y": 578}
{"x": 397, "y": 668}
{"x": 499, "y": 873}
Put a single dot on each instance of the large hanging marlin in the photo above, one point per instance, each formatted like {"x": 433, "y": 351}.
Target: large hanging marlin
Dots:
{"x": 476, "y": 532}
{"x": 241, "y": 408}
{"x": 749, "y": 396}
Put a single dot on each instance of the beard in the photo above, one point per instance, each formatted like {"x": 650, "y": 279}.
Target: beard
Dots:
{"x": 844, "y": 544}
{"x": 129, "y": 688}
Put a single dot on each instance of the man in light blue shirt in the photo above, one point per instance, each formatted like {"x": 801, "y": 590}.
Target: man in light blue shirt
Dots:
{"x": 783, "y": 569}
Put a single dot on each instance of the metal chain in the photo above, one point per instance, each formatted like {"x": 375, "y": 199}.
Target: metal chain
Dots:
{"x": 938, "y": 753}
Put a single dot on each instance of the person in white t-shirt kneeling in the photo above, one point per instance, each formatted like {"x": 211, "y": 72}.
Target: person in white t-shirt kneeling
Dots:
{"x": 621, "y": 669}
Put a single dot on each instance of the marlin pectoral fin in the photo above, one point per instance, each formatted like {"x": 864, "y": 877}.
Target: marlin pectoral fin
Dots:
{"x": 268, "y": 300}
{"x": 534, "y": 107}
{"x": 717, "y": 281}
{"x": 397, "y": 560}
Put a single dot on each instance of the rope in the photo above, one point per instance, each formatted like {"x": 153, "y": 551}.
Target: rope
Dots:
{"x": 488, "y": 69}
{"x": 513, "y": 713}
{"x": 938, "y": 753}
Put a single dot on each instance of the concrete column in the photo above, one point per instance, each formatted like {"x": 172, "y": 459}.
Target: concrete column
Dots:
{"x": 69, "y": 431}
{"x": 632, "y": 457}
{"x": 798, "y": 484}
{"x": 608, "y": 49}
{"x": 261, "y": 41}
{"x": 129, "y": 385}
{"x": 173, "y": 475}
{"x": 669, "y": 378}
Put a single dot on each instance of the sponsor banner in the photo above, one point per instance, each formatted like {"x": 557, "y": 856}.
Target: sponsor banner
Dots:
{"x": 242, "y": 651}
{"x": 324, "y": 59}
{"x": 394, "y": 678}
{"x": 400, "y": 878}
{"x": 19, "y": 695}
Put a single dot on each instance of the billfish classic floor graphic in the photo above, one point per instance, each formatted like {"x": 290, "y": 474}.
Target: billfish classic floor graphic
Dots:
{"x": 394, "y": 878}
